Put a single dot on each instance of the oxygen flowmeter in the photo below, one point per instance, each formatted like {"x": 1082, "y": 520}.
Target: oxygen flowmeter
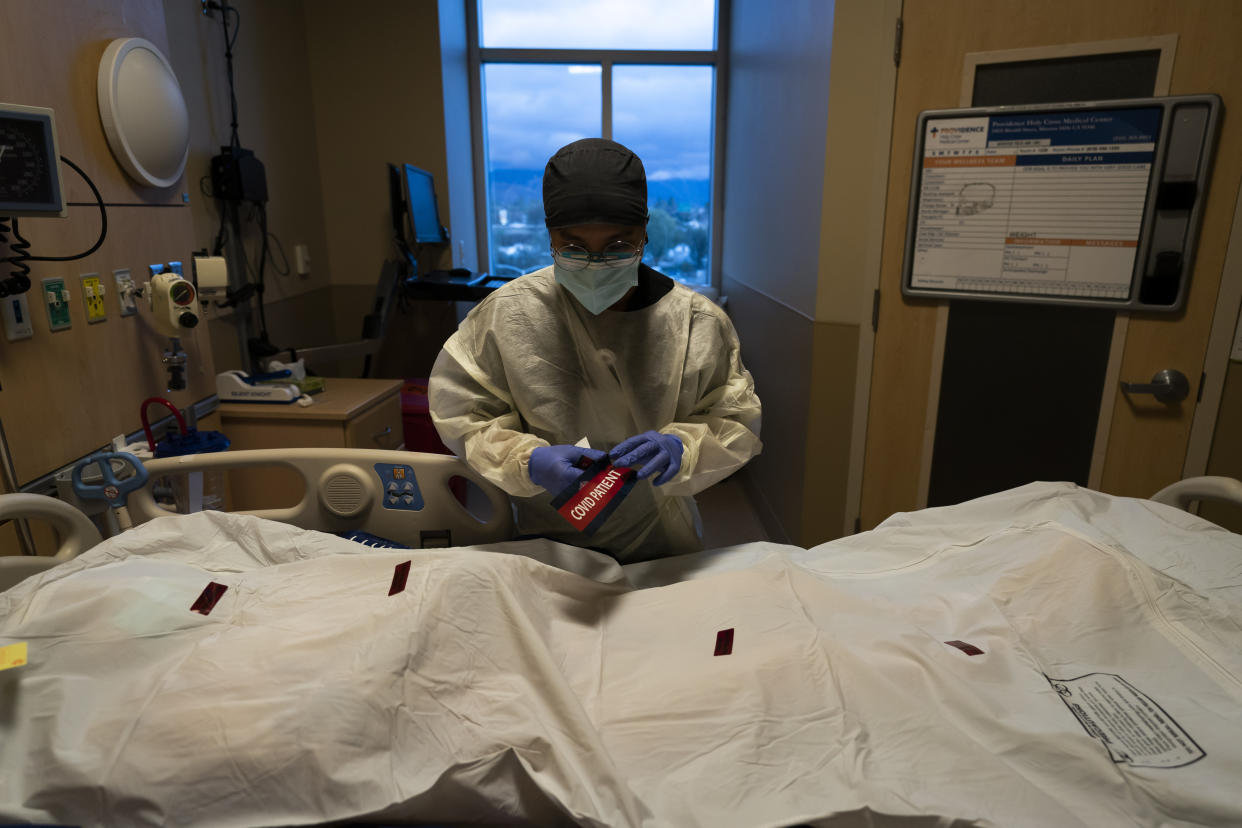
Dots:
{"x": 171, "y": 300}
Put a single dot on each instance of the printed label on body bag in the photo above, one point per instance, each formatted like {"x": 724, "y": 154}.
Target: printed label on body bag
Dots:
{"x": 13, "y": 655}
{"x": 592, "y": 498}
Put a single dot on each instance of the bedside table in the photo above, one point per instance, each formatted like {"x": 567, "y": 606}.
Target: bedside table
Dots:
{"x": 349, "y": 413}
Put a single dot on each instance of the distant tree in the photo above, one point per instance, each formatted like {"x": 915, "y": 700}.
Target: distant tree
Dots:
{"x": 662, "y": 231}
{"x": 696, "y": 237}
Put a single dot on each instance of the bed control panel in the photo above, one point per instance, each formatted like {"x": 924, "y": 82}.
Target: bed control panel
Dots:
{"x": 400, "y": 487}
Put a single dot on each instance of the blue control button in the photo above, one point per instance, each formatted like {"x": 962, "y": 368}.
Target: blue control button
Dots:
{"x": 400, "y": 487}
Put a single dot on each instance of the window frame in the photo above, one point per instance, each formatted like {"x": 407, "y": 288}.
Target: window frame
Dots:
{"x": 477, "y": 56}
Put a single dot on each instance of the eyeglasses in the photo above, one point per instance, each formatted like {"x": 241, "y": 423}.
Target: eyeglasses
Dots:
{"x": 617, "y": 254}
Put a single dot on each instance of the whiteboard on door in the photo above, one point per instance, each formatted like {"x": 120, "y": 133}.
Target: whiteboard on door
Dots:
{"x": 1071, "y": 204}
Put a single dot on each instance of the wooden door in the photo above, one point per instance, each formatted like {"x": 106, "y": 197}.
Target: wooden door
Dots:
{"x": 1144, "y": 442}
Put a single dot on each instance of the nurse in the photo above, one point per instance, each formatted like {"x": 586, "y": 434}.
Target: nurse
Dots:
{"x": 598, "y": 354}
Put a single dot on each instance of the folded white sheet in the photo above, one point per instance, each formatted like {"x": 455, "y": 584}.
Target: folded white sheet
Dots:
{"x": 498, "y": 686}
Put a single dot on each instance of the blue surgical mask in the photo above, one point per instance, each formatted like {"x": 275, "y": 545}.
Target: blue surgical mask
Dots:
{"x": 598, "y": 286}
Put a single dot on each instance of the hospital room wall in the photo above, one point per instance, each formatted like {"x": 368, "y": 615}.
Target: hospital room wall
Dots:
{"x": 375, "y": 75}
{"x": 270, "y": 60}
{"x": 801, "y": 171}
{"x": 66, "y": 393}
{"x": 325, "y": 99}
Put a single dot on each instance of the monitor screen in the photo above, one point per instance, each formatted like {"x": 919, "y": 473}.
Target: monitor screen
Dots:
{"x": 425, "y": 226}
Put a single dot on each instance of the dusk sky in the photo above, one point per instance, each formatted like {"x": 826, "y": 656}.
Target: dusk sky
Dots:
{"x": 663, "y": 113}
{"x": 597, "y": 24}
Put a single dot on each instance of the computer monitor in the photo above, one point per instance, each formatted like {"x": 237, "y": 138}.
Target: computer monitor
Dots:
{"x": 424, "y": 217}
{"x": 397, "y": 208}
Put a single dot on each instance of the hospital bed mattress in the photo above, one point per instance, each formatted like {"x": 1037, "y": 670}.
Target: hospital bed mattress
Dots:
{"x": 1045, "y": 656}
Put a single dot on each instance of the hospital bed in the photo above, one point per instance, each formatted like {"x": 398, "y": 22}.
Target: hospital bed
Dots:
{"x": 1048, "y": 655}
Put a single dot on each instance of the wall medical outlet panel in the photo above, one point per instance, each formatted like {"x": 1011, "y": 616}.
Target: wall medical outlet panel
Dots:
{"x": 125, "y": 289}
{"x": 1066, "y": 204}
{"x": 17, "y": 318}
{"x": 56, "y": 297}
{"x": 93, "y": 297}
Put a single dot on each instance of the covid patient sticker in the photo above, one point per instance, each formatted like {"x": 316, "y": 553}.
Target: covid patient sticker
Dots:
{"x": 599, "y": 490}
{"x": 1135, "y": 730}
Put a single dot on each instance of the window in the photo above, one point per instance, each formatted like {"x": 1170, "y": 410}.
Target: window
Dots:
{"x": 645, "y": 73}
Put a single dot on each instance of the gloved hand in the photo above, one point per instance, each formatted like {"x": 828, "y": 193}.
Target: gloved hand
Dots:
{"x": 553, "y": 466}
{"x": 657, "y": 453}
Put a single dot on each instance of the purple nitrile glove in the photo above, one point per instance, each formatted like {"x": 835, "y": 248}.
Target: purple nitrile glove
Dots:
{"x": 553, "y": 467}
{"x": 657, "y": 454}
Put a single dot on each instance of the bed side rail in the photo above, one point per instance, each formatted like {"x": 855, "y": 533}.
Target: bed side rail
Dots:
{"x": 400, "y": 496}
{"x": 1185, "y": 492}
{"x": 73, "y": 529}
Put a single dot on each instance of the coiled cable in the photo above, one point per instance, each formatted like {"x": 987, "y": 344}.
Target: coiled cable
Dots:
{"x": 19, "y": 278}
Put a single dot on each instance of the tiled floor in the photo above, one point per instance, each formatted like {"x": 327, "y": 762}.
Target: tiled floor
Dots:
{"x": 728, "y": 516}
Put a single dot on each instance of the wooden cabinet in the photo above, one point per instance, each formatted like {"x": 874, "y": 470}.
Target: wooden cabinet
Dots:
{"x": 349, "y": 413}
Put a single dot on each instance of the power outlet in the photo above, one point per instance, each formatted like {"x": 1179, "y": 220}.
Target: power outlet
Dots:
{"x": 301, "y": 260}
{"x": 93, "y": 296}
{"x": 17, "y": 318}
{"x": 125, "y": 291}
{"x": 56, "y": 297}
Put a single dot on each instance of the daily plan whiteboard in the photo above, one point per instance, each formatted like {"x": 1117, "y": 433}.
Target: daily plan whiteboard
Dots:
{"x": 1081, "y": 204}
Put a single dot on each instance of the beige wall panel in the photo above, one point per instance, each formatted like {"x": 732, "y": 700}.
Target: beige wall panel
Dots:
{"x": 834, "y": 358}
{"x": 65, "y": 393}
{"x": 902, "y": 365}
{"x": 49, "y": 56}
{"x": 375, "y": 74}
{"x": 276, "y": 121}
{"x": 69, "y": 392}
{"x": 776, "y": 348}
{"x": 855, "y": 163}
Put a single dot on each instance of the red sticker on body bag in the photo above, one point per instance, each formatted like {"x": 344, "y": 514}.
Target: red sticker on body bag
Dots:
{"x": 208, "y": 598}
{"x": 724, "y": 642}
{"x": 588, "y": 503}
{"x": 399, "y": 576}
{"x": 968, "y": 649}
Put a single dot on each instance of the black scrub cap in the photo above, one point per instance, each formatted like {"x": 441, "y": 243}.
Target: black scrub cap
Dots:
{"x": 594, "y": 181}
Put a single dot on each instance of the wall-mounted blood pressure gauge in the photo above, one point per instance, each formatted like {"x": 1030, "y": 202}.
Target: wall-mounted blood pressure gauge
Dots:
{"x": 29, "y": 166}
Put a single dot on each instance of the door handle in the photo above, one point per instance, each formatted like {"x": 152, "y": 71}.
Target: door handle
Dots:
{"x": 376, "y": 437}
{"x": 1168, "y": 386}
